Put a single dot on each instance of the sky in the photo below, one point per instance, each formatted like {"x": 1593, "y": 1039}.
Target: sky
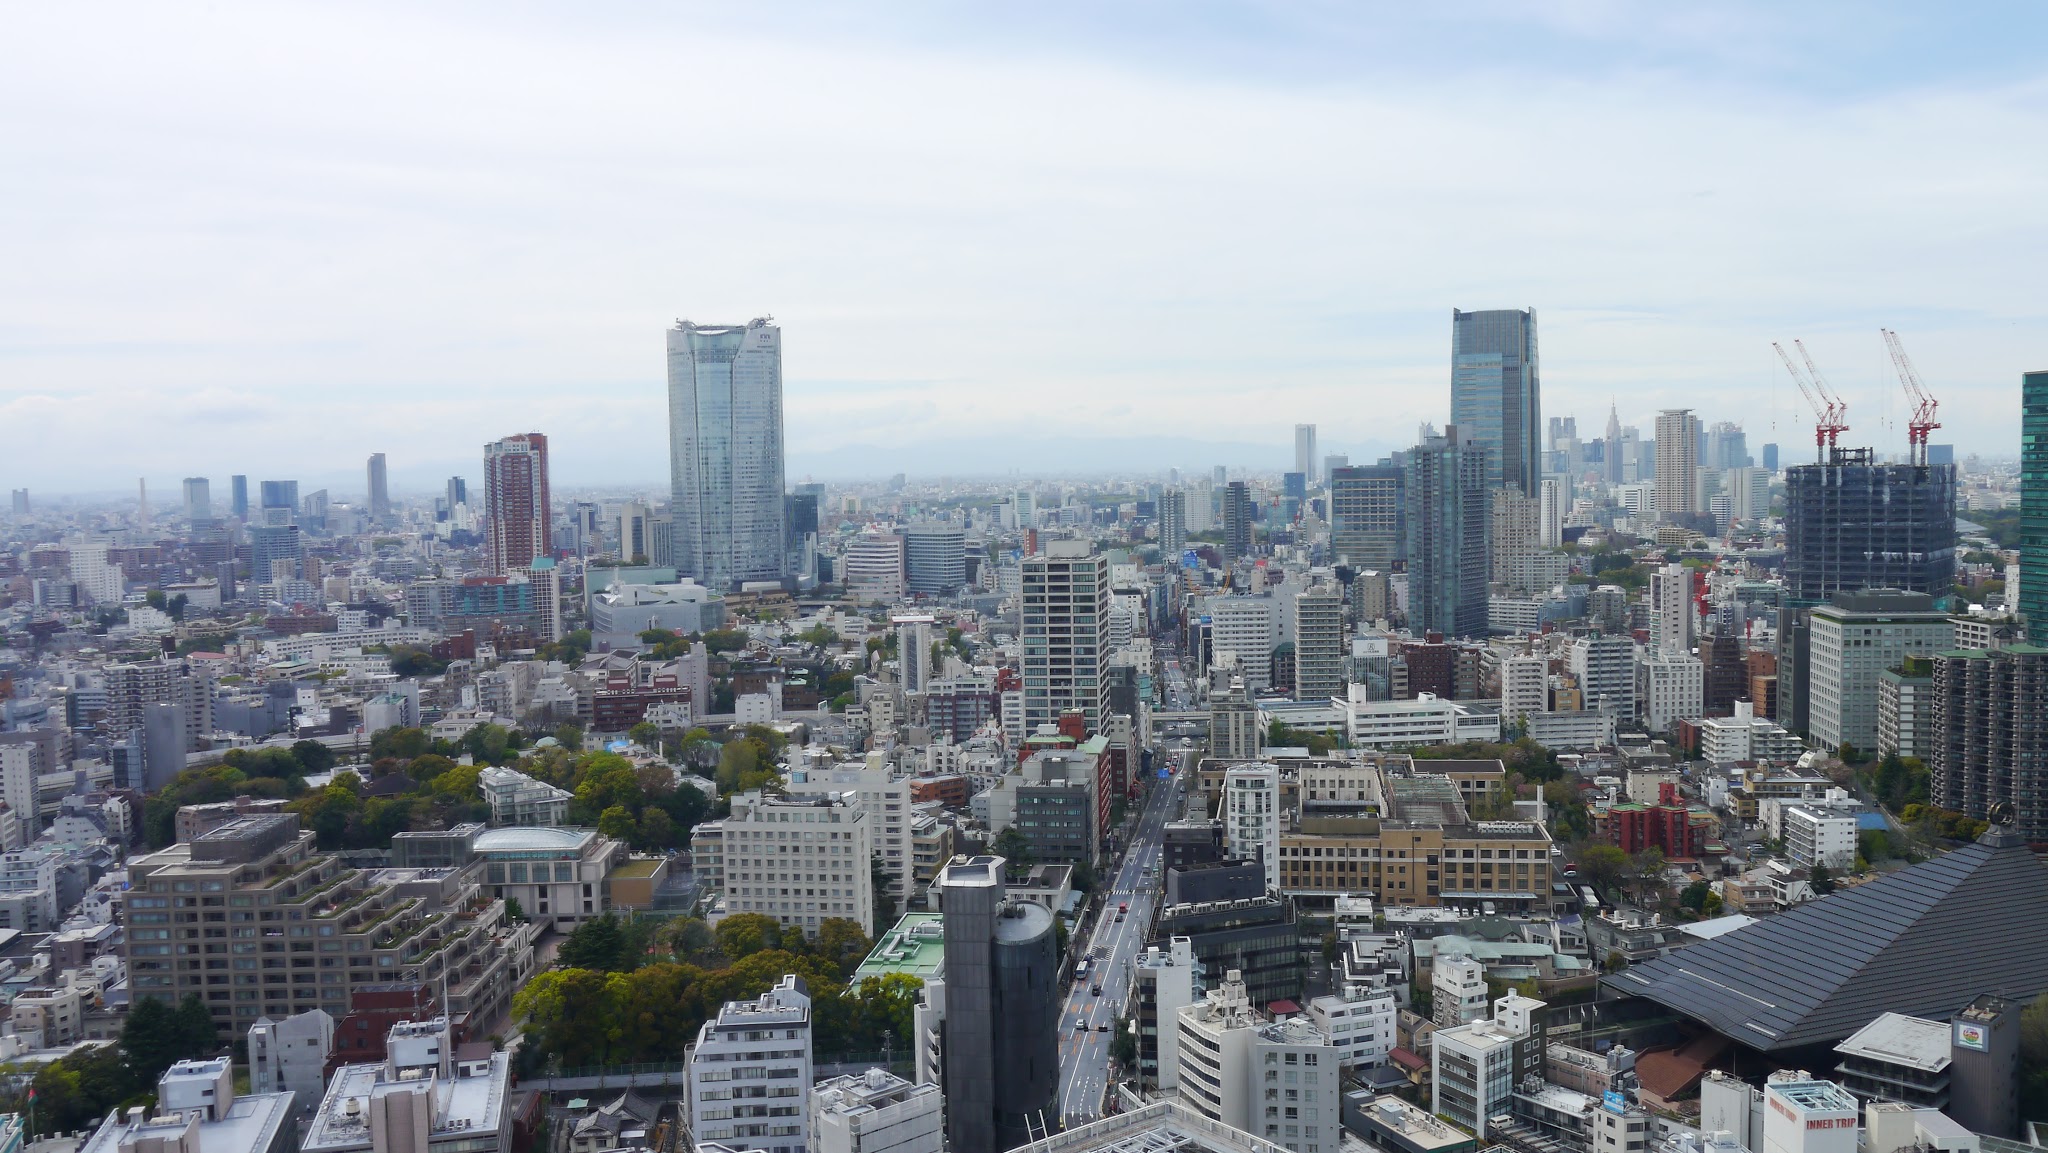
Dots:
{"x": 270, "y": 239}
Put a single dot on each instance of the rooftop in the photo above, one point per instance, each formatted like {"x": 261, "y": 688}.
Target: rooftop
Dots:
{"x": 1896, "y": 1039}
{"x": 464, "y": 1103}
{"x": 533, "y": 840}
{"x": 250, "y": 1126}
{"x": 915, "y": 945}
{"x": 1162, "y": 1127}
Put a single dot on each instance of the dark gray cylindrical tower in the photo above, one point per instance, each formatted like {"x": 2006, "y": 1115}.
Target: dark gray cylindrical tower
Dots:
{"x": 1027, "y": 1050}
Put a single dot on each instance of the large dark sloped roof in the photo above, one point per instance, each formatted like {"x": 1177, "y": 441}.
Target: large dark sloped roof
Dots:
{"x": 1923, "y": 941}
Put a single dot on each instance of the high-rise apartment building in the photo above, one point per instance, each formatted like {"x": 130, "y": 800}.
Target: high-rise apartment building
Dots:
{"x": 1851, "y": 523}
{"x": 1001, "y": 1003}
{"x": 725, "y": 451}
{"x": 1319, "y": 643}
{"x": 1305, "y": 458}
{"x": 1231, "y": 1057}
{"x": 800, "y": 860}
{"x": 1551, "y": 507}
{"x": 1985, "y": 744}
{"x": 1065, "y": 623}
{"x": 1234, "y": 730}
{"x": 1445, "y": 492}
{"x": 1368, "y": 516}
{"x": 1524, "y": 686}
{"x": 1496, "y": 394}
{"x": 380, "y": 490}
{"x": 1252, "y": 817}
{"x": 1673, "y": 626}
{"x": 198, "y": 500}
{"x": 1515, "y": 526}
{"x": 749, "y": 1080}
{"x": 1173, "y": 525}
{"x": 1678, "y": 455}
{"x": 1238, "y": 514}
{"x": 1853, "y": 639}
{"x": 914, "y": 649}
{"x": 1605, "y": 667}
{"x": 518, "y": 506}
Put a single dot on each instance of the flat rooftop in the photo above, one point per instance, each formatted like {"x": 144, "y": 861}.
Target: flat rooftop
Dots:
{"x": 474, "y": 1103}
{"x": 915, "y": 945}
{"x": 1897, "y": 1039}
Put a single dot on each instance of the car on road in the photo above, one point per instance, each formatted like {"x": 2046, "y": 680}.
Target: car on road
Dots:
{"x": 1080, "y": 1026}
{"x": 1095, "y": 991}
{"x": 1102, "y": 1028}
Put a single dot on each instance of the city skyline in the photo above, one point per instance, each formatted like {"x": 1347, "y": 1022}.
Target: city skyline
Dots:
{"x": 921, "y": 259}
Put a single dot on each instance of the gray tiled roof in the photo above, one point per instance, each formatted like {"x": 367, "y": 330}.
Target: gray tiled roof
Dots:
{"x": 1924, "y": 941}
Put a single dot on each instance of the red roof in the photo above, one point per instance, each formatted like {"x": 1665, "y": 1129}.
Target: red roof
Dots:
{"x": 1283, "y": 1008}
{"x": 1407, "y": 1059}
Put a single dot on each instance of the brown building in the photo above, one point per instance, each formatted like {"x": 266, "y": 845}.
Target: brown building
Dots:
{"x": 1763, "y": 684}
{"x": 951, "y": 790}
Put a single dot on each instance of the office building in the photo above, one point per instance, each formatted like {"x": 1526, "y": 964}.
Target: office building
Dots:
{"x": 1173, "y": 525}
{"x": 1319, "y": 643}
{"x": 280, "y": 501}
{"x": 238, "y": 487}
{"x": 456, "y": 492}
{"x": 197, "y": 1111}
{"x": 1678, "y": 437}
{"x": 1496, "y": 393}
{"x": 1065, "y": 634}
{"x": 198, "y": 501}
{"x": 1280, "y": 1080}
{"x": 1612, "y": 457}
{"x": 2033, "y": 595}
{"x": 1368, "y": 516}
{"x": 1162, "y": 984}
{"x": 774, "y": 845}
{"x": 1671, "y": 688}
{"x": 1851, "y": 524}
{"x": 1809, "y": 1117}
{"x": 935, "y": 559}
{"x": 1985, "y": 745}
{"x": 380, "y": 491}
{"x": 1247, "y": 627}
{"x": 725, "y": 451}
{"x": 1477, "y": 1066}
{"x": 749, "y": 1078}
{"x": 1853, "y": 639}
{"x": 422, "y": 1098}
{"x": 517, "y": 503}
{"x": 1445, "y": 492}
{"x": 1001, "y": 1002}
{"x": 276, "y": 552}
{"x": 872, "y": 568}
{"x": 877, "y": 1112}
{"x": 1305, "y": 458}
{"x": 1239, "y": 513}
{"x": 290, "y": 1056}
{"x": 1234, "y": 729}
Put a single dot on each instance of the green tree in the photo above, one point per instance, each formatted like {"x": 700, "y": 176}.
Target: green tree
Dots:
{"x": 312, "y": 756}
{"x": 885, "y": 896}
{"x": 151, "y": 1038}
{"x": 1603, "y": 867}
{"x": 842, "y": 944}
{"x": 646, "y": 734}
{"x": 596, "y": 944}
{"x": 1011, "y": 845}
{"x": 744, "y": 934}
{"x": 1823, "y": 881}
{"x": 617, "y": 823}
{"x": 569, "y": 737}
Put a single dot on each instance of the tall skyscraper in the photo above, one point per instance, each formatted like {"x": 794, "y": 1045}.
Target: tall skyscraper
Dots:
{"x": 1770, "y": 458}
{"x": 1319, "y": 643}
{"x": 280, "y": 502}
{"x": 1173, "y": 525}
{"x": 1496, "y": 393}
{"x": 725, "y": 451}
{"x": 380, "y": 490}
{"x": 1678, "y": 436}
{"x": 1001, "y": 1027}
{"x": 458, "y": 492}
{"x": 1368, "y": 516}
{"x": 1305, "y": 458}
{"x": 198, "y": 499}
{"x": 2034, "y": 502}
{"x": 1447, "y": 535}
{"x": 1065, "y": 634}
{"x": 1613, "y": 448}
{"x": 517, "y": 502}
{"x": 1853, "y": 524}
{"x": 20, "y": 497}
{"x": 239, "y": 486}
{"x": 1672, "y": 619}
{"x": 1727, "y": 446}
{"x": 1238, "y": 514}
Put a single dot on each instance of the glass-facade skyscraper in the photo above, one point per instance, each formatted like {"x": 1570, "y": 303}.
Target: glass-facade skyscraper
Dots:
{"x": 725, "y": 452}
{"x": 2033, "y": 598}
{"x": 1496, "y": 394}
{"x": 1445, "y": 487}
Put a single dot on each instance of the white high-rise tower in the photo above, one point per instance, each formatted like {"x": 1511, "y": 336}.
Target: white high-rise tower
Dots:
{"x": 725, "y": 451}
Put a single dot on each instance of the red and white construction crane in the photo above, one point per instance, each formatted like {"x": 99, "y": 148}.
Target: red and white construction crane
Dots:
{"x": 1922, "y": 421}
{"x": 1830, "y": 413}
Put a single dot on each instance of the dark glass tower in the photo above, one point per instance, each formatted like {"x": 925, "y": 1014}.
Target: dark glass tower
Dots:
{"x": 2034, "y": 502}
{"x": 1496, "y": 394}
{"x": 1853, "y": 524}
{"x": 1448, "y": 563}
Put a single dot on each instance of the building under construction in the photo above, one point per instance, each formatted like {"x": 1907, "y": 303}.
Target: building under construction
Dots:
{"x": 1852, "y": 524}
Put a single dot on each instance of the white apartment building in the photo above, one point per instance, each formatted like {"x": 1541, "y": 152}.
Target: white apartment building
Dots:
{"x": 1605, "y": 667}
{"x": 1162, "y": 984}
{"x": 1426, "y": 720}
{"x": 1672, "y": 687}
{"x": 517, "y": 799}
{"x": 1319, "y": 643}
{"x": 877, "y": 1112}
{"x": 872, "y": 568}
{"x": 1524, "y": 686}
{"x": 749, "y": 1072}
{"x": 1281, "y": 1080}
{"x": 1671, "y": 610}
{"x": 1362, "y": 1027}
{"x": 1818, "y": 836}
{"x": 800, "y": 860}
{"x": 884, "y": 797}
{"x": 1474, "y": 1065}
{"x": 291, "y": 1056}
{"x": 1747, "y": 737}
{"x": 1064, "y": 624}
{"x": 1251, "y": 816}
{"x": 1457, "y": 986}
{"x": 1250, "y": 627}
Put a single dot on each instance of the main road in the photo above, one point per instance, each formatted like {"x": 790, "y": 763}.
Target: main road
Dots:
{"x": 1090, "y": 1017}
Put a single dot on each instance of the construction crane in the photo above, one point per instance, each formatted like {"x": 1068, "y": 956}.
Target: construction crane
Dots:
{"x": 1922, "y": 421}
{"x": 1830, "y": 414}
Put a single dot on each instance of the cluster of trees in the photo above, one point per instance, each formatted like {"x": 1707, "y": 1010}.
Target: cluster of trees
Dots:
{"x": 654, "y": 990}
{"x": 79, "y": 1089}
{"x": 2034, "y": 1058}
{"x": 1942, "y": 824}
{"x": 1521, "y": 757}
{"x": 1900, "y": 781}
{"x": 242, "y": 773}
{"x": 642, "y": 806}
{"x": 1610, "y": 871}
{"x": 174, "y": 607}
